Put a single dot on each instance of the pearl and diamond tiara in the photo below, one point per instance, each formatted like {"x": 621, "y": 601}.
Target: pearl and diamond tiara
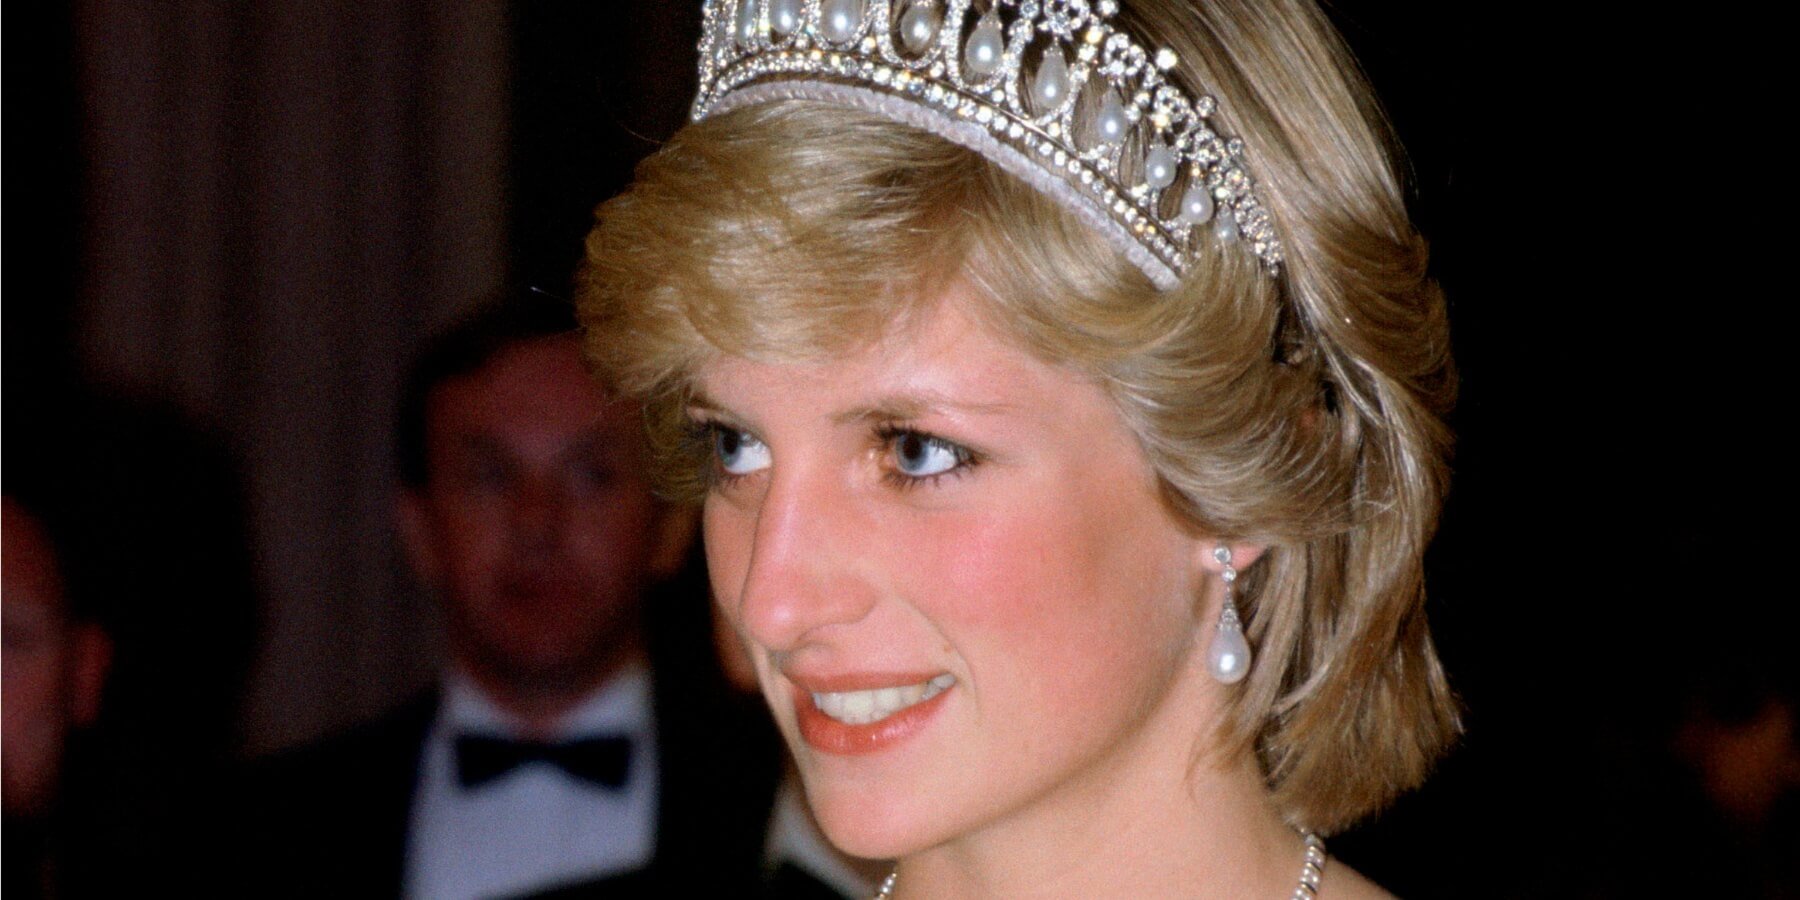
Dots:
{"x": 1049, "y": 90}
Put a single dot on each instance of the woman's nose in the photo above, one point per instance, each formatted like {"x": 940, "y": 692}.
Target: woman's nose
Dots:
{"x": 806, "y": 567}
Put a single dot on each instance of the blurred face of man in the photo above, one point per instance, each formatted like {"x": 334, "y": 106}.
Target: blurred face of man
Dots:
{"x": 536, "y": 525}
{"x": 53, "y": 667}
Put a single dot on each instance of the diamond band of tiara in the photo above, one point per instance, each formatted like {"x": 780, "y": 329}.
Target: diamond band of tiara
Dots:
{"x": 1047, "y": 89}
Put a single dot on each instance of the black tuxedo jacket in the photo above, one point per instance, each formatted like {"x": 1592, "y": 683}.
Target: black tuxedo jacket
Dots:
{"x": 330, "y": 820}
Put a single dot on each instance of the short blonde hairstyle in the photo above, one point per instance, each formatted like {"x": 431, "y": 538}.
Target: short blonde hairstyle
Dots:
{"x": 1302, "y": 412}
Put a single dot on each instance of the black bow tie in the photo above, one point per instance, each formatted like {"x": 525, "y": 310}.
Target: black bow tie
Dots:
{"x": 602, "y": 760}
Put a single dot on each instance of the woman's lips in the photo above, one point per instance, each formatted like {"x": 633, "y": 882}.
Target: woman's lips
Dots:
{"x": 860, "y": 714}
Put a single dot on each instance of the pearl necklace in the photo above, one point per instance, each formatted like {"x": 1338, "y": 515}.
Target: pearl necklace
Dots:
{"x": 1311, "y": 872}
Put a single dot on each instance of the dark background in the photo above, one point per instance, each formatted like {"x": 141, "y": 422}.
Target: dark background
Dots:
{"x": 1606, "y": 560}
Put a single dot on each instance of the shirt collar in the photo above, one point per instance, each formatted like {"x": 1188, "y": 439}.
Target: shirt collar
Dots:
{"x": 619, "y": 706}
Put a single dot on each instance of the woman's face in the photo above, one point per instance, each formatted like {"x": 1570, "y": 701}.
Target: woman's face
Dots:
{"x": 965, "y": 602}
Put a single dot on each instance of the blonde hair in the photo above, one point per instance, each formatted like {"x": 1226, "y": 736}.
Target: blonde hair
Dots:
{"x": 1301, "y": 412}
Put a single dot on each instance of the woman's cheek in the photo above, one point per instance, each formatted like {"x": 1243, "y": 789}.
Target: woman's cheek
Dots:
{"x": 1011, "y": 564}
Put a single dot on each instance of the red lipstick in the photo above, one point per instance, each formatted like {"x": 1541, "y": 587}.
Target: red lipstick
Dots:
{"x": 828, "y": 735}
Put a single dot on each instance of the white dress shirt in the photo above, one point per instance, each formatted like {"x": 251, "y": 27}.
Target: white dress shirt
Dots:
{"x": 536, "y": 826}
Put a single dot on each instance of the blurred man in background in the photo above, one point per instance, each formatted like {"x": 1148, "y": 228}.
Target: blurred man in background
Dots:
{"x": 581, "y": 732}
{"x": 55, "y": 661}
{"x": 130, "y": 617}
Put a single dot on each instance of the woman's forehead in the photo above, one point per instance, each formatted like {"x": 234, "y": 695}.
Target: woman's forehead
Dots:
{"x": 944, "y": 359}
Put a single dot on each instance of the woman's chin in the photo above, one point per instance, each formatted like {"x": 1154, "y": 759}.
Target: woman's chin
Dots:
{"x": 865, "y": 825}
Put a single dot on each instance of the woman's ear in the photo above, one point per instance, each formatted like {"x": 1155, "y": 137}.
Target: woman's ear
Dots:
{"x": 1243, "y": 553}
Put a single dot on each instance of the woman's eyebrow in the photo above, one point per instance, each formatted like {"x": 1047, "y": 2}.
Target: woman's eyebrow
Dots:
{"x": 890, "y": 407}
{"x": 697, "y": 400}
{"x": 907, "y": 406}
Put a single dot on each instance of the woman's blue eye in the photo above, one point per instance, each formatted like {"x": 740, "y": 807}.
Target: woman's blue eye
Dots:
{"x": 922, "y": 456}
{"x": 738, "y": 452}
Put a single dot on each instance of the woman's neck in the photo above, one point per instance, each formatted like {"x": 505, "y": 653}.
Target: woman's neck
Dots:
{"x": 1150, "y": 823}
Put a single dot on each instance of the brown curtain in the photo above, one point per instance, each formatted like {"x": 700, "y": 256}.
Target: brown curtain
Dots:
{"x": 281, "y": 198}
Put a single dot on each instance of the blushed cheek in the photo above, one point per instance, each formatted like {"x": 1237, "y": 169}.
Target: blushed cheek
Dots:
{"x": 1015, "y": 569}
{"x": 1075, "y": 602}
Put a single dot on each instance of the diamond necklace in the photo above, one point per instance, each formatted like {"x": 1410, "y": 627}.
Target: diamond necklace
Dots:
{"x": 1311, "y": 872}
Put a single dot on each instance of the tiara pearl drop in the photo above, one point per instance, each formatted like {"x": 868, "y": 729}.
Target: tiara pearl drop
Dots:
{"x": 1050, "y": 90}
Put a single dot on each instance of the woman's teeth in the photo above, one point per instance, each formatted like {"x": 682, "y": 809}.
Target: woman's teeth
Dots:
{"x": 865, "y": 707}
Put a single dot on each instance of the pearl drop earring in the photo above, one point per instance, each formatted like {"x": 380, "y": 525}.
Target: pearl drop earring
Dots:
{"x": 1228, "y": 656}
